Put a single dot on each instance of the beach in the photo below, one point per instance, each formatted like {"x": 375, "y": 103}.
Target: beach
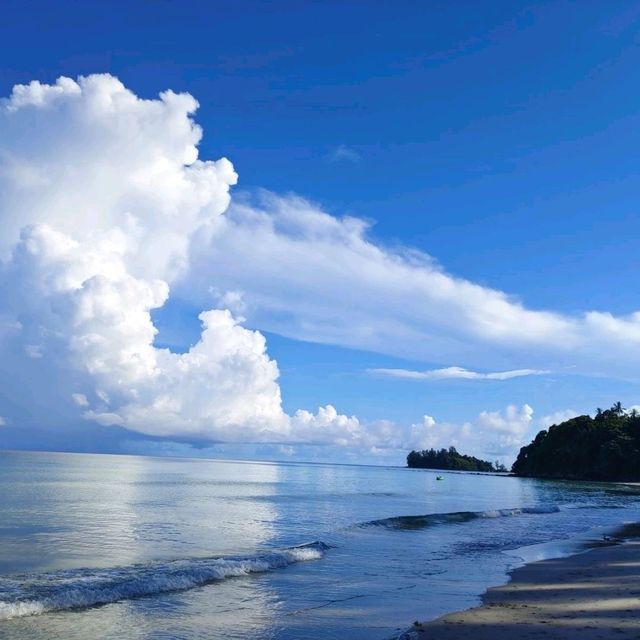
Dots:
{"x": 590, "y": 596}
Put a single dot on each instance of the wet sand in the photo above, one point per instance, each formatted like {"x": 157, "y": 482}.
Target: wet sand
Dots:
{"x": 589, "y": 596}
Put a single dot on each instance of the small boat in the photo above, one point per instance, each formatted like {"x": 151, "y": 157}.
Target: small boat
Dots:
{"x": 439, "y": 478}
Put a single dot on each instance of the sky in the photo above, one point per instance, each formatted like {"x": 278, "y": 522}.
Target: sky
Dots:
{"x": 325, "y": 231}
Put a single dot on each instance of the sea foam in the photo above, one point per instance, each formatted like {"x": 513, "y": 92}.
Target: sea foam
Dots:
{"x": 80, "y": 588}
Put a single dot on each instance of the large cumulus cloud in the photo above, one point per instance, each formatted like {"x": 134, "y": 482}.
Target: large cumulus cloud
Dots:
{"x": 101, "y": 195}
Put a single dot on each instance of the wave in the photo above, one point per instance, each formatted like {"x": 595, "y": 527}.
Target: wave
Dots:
{"x": 81, "y": 588}
{"x": 431, "y": 519}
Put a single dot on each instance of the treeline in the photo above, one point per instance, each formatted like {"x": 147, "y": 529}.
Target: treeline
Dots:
{"x": 606, "y": 447}
{"x": 449, "y": 459}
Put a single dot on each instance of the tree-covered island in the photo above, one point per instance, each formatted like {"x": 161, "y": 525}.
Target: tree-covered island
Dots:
{"x": 605, "y": 447}
{"x": 450, "y": 460}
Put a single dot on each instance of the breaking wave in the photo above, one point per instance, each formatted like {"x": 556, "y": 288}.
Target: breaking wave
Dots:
{"x": 431, "y": 519}
{"x": 80, "y": 588}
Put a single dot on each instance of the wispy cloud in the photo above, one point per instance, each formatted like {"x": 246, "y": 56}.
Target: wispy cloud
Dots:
{"x": 344, "y": 153}
{"x": 456, "y": 373}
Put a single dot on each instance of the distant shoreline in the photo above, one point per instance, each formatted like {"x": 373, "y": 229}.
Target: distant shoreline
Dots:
{"x": 586, "y": 596}
{"x": 510, "y": 474}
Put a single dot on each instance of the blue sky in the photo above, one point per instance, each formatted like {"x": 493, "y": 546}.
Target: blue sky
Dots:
{"x": 498, "y": 138}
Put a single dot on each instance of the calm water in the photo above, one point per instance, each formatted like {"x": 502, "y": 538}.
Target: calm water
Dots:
{"x": 145, "y": 548}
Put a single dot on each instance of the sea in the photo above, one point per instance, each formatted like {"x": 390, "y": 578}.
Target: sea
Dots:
{"x": 133, "y": 548}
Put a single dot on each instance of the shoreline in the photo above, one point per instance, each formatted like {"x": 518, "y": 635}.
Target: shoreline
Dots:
{"x": 592, "y": 595}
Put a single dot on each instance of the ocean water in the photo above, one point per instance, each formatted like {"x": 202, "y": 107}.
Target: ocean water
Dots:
{"x": 124, "y": 547}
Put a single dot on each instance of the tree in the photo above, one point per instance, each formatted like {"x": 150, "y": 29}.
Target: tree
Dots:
{"x": 447, "y": 459}
{"x": 617, "y": 408}
{"x": 606, "y": 447}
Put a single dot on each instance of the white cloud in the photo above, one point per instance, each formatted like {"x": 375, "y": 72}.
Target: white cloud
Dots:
{"x": 452, "y": 373}
{"x": 33, "y": 351}
{"x": 101, "y": 194}
{"x": 104, "y": 418}
{"x": 3, "y": 422}
{"x": 80, "y": 399}
{"x": 309, "y": 275}
{"x": 492, "y": 434}
{"x": 108, "y": 162}
{"x": 232, "y": 300}
{"x": 344, "y": 152}
{"x": 557, "y": 417}
{"x": 513, "y": 421}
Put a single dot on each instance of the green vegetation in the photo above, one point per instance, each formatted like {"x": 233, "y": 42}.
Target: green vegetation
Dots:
{"x": 606, "y": 447}
{"x": 449, "y": 459}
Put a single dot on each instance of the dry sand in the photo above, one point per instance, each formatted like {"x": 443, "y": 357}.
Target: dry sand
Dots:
{"x": 593, "y": 595}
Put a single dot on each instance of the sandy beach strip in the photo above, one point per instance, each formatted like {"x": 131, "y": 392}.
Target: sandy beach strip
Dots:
{"x": 589, "y": 596}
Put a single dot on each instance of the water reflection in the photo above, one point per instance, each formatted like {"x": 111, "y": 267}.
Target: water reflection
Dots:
{"x": 62, "y": 511}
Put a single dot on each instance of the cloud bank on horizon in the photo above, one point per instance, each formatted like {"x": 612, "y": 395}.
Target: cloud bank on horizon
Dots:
{"x": 106, "y": 210}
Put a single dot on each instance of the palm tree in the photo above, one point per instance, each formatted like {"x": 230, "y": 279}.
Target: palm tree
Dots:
{"x": 617, "y": 408}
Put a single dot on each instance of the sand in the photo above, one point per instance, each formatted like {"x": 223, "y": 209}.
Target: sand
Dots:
{"x": 589, "y": 596}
